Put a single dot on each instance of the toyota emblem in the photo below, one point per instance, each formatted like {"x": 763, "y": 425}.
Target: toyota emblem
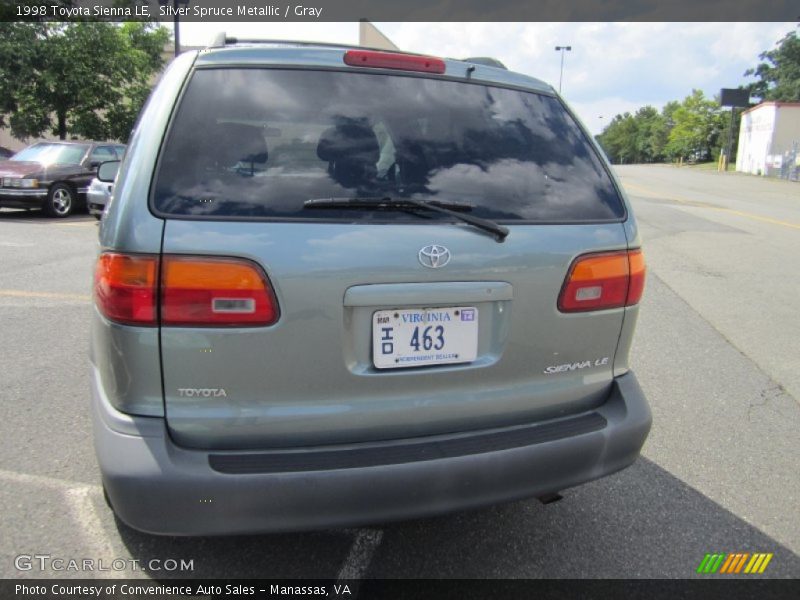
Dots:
{"x": 434, "y": 256}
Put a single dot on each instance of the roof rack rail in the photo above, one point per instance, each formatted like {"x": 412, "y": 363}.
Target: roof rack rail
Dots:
{"x": 486, "y": 61}
{"x": 221, "y": 40}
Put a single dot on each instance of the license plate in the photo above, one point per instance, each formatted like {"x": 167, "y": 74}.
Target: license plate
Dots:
{"x": 426, "y": 336}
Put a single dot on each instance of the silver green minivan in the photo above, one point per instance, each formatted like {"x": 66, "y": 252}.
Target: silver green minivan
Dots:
{"x": 340, "y": 286}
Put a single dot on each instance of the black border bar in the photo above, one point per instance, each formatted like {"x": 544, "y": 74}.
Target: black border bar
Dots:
{"x": 403, "y": 10}
{"x": 731, "y": 588}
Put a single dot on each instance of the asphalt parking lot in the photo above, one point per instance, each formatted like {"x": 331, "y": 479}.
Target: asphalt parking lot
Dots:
{"x": 717, "y": 352}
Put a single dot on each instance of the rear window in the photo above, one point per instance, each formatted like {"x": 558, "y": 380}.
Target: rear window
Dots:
{"x": 258, "y": 143}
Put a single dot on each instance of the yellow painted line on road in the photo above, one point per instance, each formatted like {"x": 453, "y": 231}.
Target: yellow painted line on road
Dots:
{"x": 713, "y": 206}
{"x": 650, "y": 192}
{"x": 760, "y": 218}
{"x": 48, "y": 295}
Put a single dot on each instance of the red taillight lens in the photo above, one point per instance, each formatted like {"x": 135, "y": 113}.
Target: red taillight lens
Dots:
{"x": 392, "y": 60}
{"x": 603, "y": 280}
{"x": 125, "y": 287}
{"x": 195, "y": 291}
{"x": 213, "y": 292}
{"x": 638, "y": 272}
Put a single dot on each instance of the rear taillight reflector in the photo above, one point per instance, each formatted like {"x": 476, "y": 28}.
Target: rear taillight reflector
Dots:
{"x": 638, "y": 273}
{"x": 603, "y": 280}
{"x": 125, "y": 287}
{"x": 392, "y": 60}
{"x": 214, "y": 292}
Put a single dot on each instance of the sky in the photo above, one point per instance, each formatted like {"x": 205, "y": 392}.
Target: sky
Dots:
{"x": 612, "y": 67}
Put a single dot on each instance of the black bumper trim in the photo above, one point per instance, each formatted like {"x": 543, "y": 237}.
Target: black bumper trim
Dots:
{"x": 372, "y": 455}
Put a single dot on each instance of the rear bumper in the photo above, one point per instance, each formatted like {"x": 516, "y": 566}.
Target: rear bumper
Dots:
{"x": 158, "y": 487}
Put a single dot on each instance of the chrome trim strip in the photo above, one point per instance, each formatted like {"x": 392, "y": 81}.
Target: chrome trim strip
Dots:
{"x": 22, "y": 192}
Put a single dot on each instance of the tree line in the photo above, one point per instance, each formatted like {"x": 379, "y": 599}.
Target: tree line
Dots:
{"x": 697, "y": 127}
{"x": 84, "y": 79}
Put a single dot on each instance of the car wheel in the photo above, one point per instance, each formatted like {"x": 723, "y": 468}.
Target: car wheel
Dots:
{"x": 60, "y": 201}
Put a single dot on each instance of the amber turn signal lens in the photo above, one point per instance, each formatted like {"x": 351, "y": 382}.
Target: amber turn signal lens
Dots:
{"x": 603, "y": 280}
{"x": 212, "y": 292}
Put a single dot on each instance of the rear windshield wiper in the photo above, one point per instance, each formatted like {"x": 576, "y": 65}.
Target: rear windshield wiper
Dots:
{"x": 453, "y": 209}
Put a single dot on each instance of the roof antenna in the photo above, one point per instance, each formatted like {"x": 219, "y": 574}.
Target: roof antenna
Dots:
{"x": 470, "y": 69}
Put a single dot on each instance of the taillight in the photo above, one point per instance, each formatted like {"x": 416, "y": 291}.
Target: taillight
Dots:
{"x": 125, "y": 287}
{"x": 603, "y": 280}
{"x": 195, "y": 291}
{"x": 206, "y": 291}
{"x": 638, "y": 272}
{"x": 393, "y": 60}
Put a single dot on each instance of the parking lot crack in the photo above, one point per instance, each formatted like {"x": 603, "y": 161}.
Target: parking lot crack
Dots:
{"x": 766, "y": 396}
{"x": 775, "y": 384}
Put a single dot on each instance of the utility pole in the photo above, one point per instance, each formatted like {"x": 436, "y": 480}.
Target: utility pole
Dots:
{"x": 176, "y": 26}
{"x": 729, "y": 145}
{"x": 561, "y": 76}
{"x": 733, "y": 97}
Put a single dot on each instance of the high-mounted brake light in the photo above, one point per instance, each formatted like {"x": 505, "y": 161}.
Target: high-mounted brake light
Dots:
{"x": 393, "y": 60}
{"x": 125, "y": 287}
{"x": 213, "y": 292}
{"x": 603, "y": 280}
{"x": 195, "y": 291}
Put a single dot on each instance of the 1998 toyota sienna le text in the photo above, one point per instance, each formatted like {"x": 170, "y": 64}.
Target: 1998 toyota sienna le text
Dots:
{"x": 339, "y": 286}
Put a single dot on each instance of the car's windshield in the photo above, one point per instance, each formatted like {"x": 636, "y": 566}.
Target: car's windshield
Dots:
{"x": 49, "y": 154}
{"x": 260, "y": 142}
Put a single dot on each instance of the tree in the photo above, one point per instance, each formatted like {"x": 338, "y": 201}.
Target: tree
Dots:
{"x": 83, "y": 79}
{"x": 19, "y": 54}
{"x": 619, "y": 139}
{"x": 661, "y": 136}
{"x": 693, "y": 127}
{"x": 779, "y": 74}
{"x": 650, "y": 139}
{"x": 696, "y": 129}
{"x": 638, "y": 138}
{"x": 145, "y": 56}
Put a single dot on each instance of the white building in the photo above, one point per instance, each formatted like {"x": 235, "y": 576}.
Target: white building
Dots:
{"x": 769, "y": 139}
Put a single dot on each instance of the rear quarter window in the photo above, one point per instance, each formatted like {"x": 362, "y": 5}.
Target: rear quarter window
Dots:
{"x": 258, "y": 143}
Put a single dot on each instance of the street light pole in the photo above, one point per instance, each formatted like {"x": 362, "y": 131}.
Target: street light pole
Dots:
{"x": 177, "y": 28}
{"x": 176, "y": 4}
{"x": 561, "y": 76}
